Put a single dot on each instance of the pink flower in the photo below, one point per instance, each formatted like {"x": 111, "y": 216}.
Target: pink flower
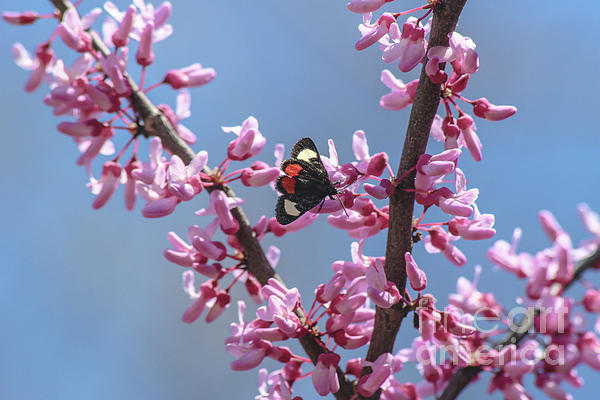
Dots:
{"x": 381, "y": 191}
{"x": 484, "y": 109}
{"x": 459, "y": 204}
{"x": 324, "y": 377}
{"x": 20, "y": 18}
{"x": 416, "y": 276}
{"x": 180, "y": 182}
{"x": 439, "y": 241}
{"x": 145, "y": 55}
{"x": 249, "y": 141}
{"x": 201, "y": 298}
{"x": 402, "y": 94}
{"x": 120, "y": 37}
{"x": 146, "y": 14}
{"x": 550, "y": 225}
{"x": 371, "y": 33}
{"x": 72, "y": 29}
{"x": 381, "y": 291}
{"x": 479, "y": 228}
{"x": 43, "y": 56}
{"x": 220, "y": 205}
{"x": 330, "y": 290}
{"x": 191, "y": 76}
{"x": 466, "y": 60}
{"x": 382, "y": 369}
{"x": 365, "y": 6}
{"x": 467, "y": 127}
{"x": 407, "y": 47}
{"x": 259, "y": 174}
{"x": 114, "y": 65}
{"x": 109, "y": 181}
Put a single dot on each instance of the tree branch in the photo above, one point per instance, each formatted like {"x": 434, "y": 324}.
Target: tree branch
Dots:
{"x": 156, "y": 124}
{"x": 399, "y": 240}
{"x": 464, "y": 375}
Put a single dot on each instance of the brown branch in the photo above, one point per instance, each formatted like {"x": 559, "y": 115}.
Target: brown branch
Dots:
{"x": 461, "y": 378}
{"x": 399, "y": 240}
{"x": 156, "y": 124}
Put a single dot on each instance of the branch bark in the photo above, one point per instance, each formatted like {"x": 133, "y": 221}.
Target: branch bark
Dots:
{"x": 156, "y": 124}
{"x": 465, "y": 375}
{"x": 399, "y": 240}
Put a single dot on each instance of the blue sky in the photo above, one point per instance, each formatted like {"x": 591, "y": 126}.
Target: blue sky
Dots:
{"x": 90, "y": 307}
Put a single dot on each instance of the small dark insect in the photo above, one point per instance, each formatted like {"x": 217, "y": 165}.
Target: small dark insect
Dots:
{"x": 305, "y": 185}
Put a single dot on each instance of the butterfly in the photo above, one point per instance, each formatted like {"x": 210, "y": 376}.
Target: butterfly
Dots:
{"x": 305, "y": 184}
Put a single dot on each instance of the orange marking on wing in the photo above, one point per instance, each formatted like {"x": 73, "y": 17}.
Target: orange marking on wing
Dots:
{"x": 293, "y": 169}
{"x": 289, "y": 184}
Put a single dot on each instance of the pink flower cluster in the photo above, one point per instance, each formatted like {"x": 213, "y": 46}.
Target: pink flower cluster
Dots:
{"x": 94, "y": 93}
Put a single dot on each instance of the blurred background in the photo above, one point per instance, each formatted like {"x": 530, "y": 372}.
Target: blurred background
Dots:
{"x": 89, "y": 307}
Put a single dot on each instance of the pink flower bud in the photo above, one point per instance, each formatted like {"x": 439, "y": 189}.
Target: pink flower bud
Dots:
{"x": 381, "y": 191}
{"x": 416, "y": 277}
{"x": 111, "y": 173}
{"x": 206, "y": 292}
{"x": 377, "y": 164}
{"x": 382, "y": 368}
{"x": 20, "y": 18}
{"x": 191, "y": 76}
{"x": 218, "y": 200}
{"x": 104, "y": 97}
{"x": 249, "y": 141}
{"x": 324, "y": 376}
{"x": 379, "y": 29}
{"x": 550, "y": 225}
{"x": 467, "y": 127}
{"x": 91, "y": 127}
{"x": 484, "y": 109}
{"x": 253, "y": 288}
{"x": 327, "y": 292}
{"x": 365, "y": 6}
{"x": 121, "y": 36}
{"x": 222, "y": 301}
{"x": 259, "y": 177}
{"x": 160, "y": 208}
{"x": 145, "y": 55}
{"x": 591, "y": 301}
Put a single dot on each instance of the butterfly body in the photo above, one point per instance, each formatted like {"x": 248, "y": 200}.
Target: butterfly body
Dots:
{"x": 305, "y": 185}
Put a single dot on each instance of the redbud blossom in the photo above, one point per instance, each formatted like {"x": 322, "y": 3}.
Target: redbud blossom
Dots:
{"x": 467, "y": 127}
{"x": 381, "y": 291}
{"x": 591, "y": 301}
{"x": 87, "y": 128}
{"x": 439, "y": 241}
{"x": 416, "y": 276}
{"x": 43, "y": 56}
{"x": 550, "y": 225}
{"x": 372, "y": 33}
{"x": 109, "y": 181}
{"x": 259, "y": 174}
{"x": 402, "y": 94}
{"x": 221, "y": 302}
{"x": 114, "y": 65}
{"x": 381, "y": 191}
{"x": 377, "y": 164}
{"x": 407, "y": 47}
{"x": 324, "y": 377}
{"x": 590, "y": 219}
{"x": 365, "y": 6}
{"x": 330, "y": 290}
{"x": 484, "y": 109}
{"x": 20, "y": 18}
{"x": 205, "y": 293}
{"x": 72, "y": 29}
{"x": 382, "y": 368}
{"x": 191, "y": 76}
{"x": 145, "y": 55}
{"x": 249, "y": 142}
{"x": 120, "y": 37}
{"x": 466, "y": 59}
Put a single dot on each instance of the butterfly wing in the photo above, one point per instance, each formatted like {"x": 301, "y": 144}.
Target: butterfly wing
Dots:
{"x": 305, "y": 185}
